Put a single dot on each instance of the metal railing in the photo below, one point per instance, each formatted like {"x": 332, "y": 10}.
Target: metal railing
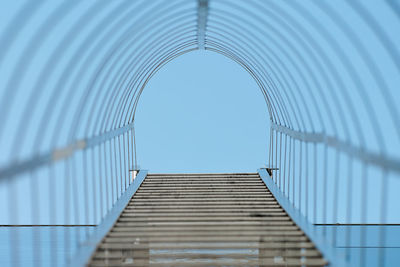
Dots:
{"x": 72, "y": 75}
{"x": 68, "y": 138}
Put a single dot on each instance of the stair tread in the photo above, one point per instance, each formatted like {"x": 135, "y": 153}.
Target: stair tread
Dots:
{"x": 196, "y": 216}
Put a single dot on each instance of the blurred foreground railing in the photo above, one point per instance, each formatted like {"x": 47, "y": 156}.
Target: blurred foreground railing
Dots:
{"x": 72, "y": 189}
{"x": 327, "y": 182}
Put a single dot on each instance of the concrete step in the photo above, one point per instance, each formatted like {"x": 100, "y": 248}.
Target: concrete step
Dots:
{"x": 205, "y": 220}
{"x": 235, "y": 233}
{"x": 208, "y": 239}
{"x": 249, "y": 207}
{"x": 204, "y": 198}
{"x": 203, "y": 187}
{"x": 207, "y": 255}
{"x": 202, "y": 210}
{"x": 203, "y": 194}
{"x": 275, "y": 261}
{"x": 207, "y": 245}
{"x": 204, "y": 223}
{"x": 136, "y": 214}
{"x": 202, "y": 174}
{"x": 204, "y": 228}
{"x": 203, "y": 190}
{"x": 199, "y": 219}
{"x": 191, "y": 203}
{"x": 202, "y": 182}
{"x": 211, "y": 205}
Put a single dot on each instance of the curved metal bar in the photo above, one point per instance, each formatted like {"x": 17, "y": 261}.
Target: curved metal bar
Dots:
{"x": 16, "y": 25}
{"x": 154, "y": 71}
{"x": 222, "y": 45}
{"x": 102, "y": 65}
{"x": 257, "y": 55}
{"x": 277, "y": 58}
{"x": 270, "y": 62}
{"x": 88, "y": 90}
{"x": 228, "y": 15}
{"x": 256, "y": 66}
{"x": 319, "y": 51}
{"x": 146, "y": 72}
{"x": 272, "y": 40}
{"x": 303, "y": 38}
{"x": 27, "y": 55}
{"x": 172, "y": 40}
{"x": 48, "y": 69}
{"x": 127, "y": 65}
{"x": 76, "y": 57}
{"x": 116, "y": 48}
{"x": 221, "y": 49}
{"x": 138, "y": 58}
{"x": 346, "y": 63}
{"x": 225, "y": 15}
{"x": 373, "y": 69}
{"x": 150, "y": 66}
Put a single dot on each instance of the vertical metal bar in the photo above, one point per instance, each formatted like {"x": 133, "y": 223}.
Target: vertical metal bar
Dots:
{"x": 307, "y": 181}
{"x": 315, "y": 183}
{"x": 349, "y": 207}
{"x": 111, "y": 174}
{"x": 364, "y": 192}
{"x": 336, "y": 196}
{"x": 75, "y": 196}
{"x": 134, "y": 147}
{"x": 53, "y": 213}
{"x": 13, "y": 207}
{"x": 67, "y": 212}
{"x": 120, "y": 165}
{"x": 383, "y": 215}
{"x": 35, "y": 212}
{"x": 125, "y": 170}
{"x": 100, "y": 179}
{"x": 294, "y": 172}
{"x": 325, "y": 188}
{"x": 128, "y": 148}
{"x": 276, "y": 159}
{"x": 289, "y": 165}
{"x": 86, "y": 191}
{"x": 280, "y": 162}
{"x": 115, "y": 168}
{"x": 133, "y": 150}
{"x": 202, "y": 14}
{"x": 94, "y": 187}
{"x": 284, "y": 168}
{"x": 106, "y": 177}
{"x": 270, "y": 148}
{"x": 300, "y": 166}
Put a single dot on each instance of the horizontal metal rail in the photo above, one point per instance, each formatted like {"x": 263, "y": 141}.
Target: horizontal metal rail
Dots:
{"x": 60, "y": 153}
{"x": 360, "y": 153}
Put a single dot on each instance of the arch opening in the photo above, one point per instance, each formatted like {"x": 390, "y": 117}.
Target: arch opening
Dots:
{"x": 202, "y": 113}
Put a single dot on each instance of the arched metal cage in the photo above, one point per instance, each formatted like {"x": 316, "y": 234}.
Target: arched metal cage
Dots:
{"x": 72, "y": 74}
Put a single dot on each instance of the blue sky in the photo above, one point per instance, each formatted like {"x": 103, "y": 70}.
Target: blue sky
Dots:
{"x": 202, "y": 113}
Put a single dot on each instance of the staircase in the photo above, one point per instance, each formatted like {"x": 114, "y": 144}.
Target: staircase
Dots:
{"x": 205, "y": 220}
